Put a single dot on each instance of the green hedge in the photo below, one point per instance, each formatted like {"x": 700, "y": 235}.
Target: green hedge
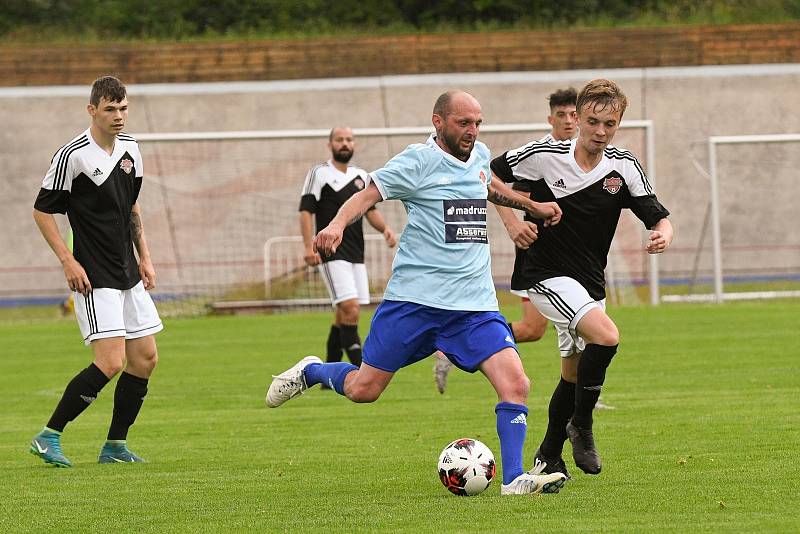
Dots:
{"x": 186, "y": 19}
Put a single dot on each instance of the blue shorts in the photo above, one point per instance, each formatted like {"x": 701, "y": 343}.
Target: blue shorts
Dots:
{"x": 403, "y": 333}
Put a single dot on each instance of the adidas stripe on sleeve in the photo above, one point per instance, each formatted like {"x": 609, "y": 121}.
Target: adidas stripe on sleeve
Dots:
{"x": 57, "y": 183}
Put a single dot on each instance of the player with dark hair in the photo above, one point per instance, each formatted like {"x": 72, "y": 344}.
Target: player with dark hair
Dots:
{"x": 441, "y": 295}
{"x": 327, "y": 186}
{"x": 95, "y": 179}
{"x": 533, "y": 325}
{"x": 592, "y": 181}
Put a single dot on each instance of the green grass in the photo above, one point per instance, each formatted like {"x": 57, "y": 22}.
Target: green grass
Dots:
{"x": 704, "y": 438}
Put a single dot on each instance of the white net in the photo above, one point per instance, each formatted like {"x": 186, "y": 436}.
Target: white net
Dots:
{"x": 210, "y": 205}
{"x": 211, "y": 201}
{"x": 759, "y": 248}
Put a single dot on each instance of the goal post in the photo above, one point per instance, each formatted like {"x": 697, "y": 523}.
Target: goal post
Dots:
{"x": 717, "y": 178}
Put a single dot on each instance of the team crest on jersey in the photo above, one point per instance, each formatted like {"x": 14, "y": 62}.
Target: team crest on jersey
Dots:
{"x": 482, "y": 176}
{"x": 612, "y": 184}
{"x": 359, "y": 183}
{"x": 126, "y": 165}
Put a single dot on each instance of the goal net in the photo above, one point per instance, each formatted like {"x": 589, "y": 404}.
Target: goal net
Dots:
{"x": 749, "y": 246}
{"x": 220, "y": 212}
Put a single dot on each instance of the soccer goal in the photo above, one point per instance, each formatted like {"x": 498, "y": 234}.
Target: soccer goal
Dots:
{"x": 214, "y": 199}
{"x": 755, "y": 242}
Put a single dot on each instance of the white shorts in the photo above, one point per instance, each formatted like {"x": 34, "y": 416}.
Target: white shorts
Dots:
{"x": 107, "y": 312}
{"x": 564, "y": 302}
{"x": 521, "y": 293}
{"x": 345, "y": 281}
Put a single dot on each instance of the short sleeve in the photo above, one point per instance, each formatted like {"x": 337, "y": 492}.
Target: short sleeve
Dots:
{"x": 399, "y": 178}
{"x": 54, "y": 194}
{"x": 138, "y": 163}
{"x": 312, "y": 189}
{"x": 502, "y": 169}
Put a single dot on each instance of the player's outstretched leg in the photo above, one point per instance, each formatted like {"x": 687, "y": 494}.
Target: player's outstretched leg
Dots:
{"x": 441, "y": 368}
{"x": 47, "y": 446}
{"x": 289, "y": 383}
{"x": 117, "y": 452}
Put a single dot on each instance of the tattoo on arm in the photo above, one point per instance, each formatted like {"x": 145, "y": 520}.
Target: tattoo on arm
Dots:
{"x": 136, "y": 229}
{"x": 503, "y": 200}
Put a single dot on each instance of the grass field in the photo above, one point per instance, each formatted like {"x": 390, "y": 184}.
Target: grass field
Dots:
{"x": 705, "y": 436}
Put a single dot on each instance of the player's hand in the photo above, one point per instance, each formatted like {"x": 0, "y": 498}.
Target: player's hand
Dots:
{"x": 328, "y": 239}
{"x": 77, "y": 280}
{"x": 658, "y": 242}
{"x": 311, "y": 257}
{"x": 549, "y": 212}
{"x": 522, "y": 233}
{"x": 390, "y": 237}
{"x": 148, "y": 274}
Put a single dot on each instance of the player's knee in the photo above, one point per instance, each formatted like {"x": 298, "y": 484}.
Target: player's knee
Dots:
{"x": 363, "y": 393}
{"x": 110, "y": 367}
{"x": 348, "y": 312}
{"x": 518, "y": 389}
{"x": 609, "y": 337}
{"x": 150, "y": 360}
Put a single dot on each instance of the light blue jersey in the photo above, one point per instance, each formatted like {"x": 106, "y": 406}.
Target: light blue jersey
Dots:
{"x": 443, "y": 258}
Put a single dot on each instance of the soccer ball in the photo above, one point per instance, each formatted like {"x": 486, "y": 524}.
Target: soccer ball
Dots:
{"x": 466, "y": 467}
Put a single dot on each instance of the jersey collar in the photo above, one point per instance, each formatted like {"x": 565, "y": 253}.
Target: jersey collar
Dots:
{"x": 465, "y": 164}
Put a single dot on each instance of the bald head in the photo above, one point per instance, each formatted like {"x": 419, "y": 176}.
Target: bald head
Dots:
{"x": 447, "y": 101}
{"x": 340, "y": 130}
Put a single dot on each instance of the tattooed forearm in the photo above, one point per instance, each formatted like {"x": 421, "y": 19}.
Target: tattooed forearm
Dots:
{"x": 503, "y": 200}
{"x": 136, "y": 230}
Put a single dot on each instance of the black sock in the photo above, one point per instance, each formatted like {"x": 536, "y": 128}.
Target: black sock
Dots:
{"x": 562, "y": 404}
{"x": 334, "y": 345}
{"x": 511, "y": 327}
{"x": 128, "y": 398}
{"x": 591, "y": 375}
{"x": 351, "y": 342}
{"x": 78, "y": 395}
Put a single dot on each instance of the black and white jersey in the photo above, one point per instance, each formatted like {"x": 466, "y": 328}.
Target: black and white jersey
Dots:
{"x": 324, "y": 191}
{"x": 591, "y": 203}
{"x": 524, "y": 187}
{"x": 97, "y": 192}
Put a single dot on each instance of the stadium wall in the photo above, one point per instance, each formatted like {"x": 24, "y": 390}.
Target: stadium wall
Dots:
{"x": 686, "y": 104}
{"x": 22, "y": 65}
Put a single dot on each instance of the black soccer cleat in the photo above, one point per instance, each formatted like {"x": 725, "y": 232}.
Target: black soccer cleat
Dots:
{"x": 583, "y": 450}
{"x": 552, "y": 464}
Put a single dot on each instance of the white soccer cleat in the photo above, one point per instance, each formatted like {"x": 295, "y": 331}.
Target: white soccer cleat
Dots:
{"x": 441, "y": 368}
{"x": 534, "y": 483}
{"x": 289, "y": 383}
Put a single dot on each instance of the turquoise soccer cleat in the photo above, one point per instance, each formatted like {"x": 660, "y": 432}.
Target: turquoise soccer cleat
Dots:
{"x": 47, "y": 446}
{"x": 117, "y": 452}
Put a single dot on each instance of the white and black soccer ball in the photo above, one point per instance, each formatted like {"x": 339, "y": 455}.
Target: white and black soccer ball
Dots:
{"x": 466, "y": 467}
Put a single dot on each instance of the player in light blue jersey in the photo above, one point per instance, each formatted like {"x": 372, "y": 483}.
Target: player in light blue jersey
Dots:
{"x": 441, "y": 295}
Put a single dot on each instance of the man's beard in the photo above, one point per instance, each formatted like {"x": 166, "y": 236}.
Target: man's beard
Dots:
{"x": 455, "y": 147}
{"x": 342, "y": 156}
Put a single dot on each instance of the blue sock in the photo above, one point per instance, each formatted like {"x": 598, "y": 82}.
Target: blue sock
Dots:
{"x": 512, "y": 425}
{"x": 332, "y": 374}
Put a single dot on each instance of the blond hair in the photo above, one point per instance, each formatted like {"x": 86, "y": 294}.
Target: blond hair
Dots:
{"x": 602, "y": 93}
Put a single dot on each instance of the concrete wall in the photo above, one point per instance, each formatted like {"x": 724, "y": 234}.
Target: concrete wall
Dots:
{"x": 209, "y": 206}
